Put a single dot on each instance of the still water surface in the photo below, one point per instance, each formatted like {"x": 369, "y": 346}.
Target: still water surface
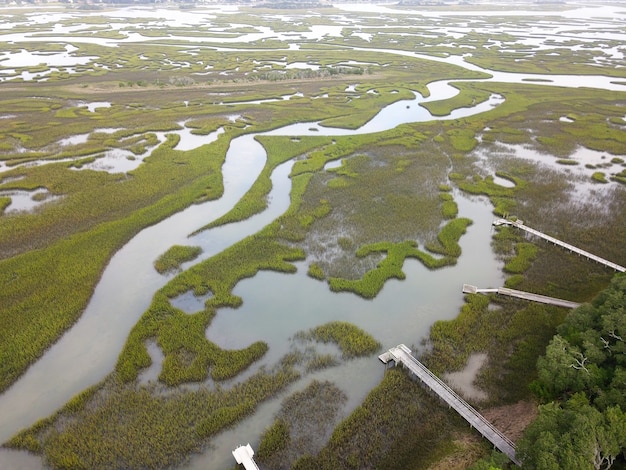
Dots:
{"x": 270, "y": 311}
{"x": 275, "y": 305}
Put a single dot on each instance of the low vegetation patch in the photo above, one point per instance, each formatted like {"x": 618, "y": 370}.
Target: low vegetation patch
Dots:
{"x": 172, "y": 259}
{"x": 138, "y": 438}
{"x": 296, "y": 432}
{"x": 352, "y": 341}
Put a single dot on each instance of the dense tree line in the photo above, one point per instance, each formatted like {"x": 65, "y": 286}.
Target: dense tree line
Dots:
{"x": 582, "y": 380}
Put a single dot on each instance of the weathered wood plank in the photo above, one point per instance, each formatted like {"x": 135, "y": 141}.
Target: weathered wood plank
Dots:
{"x": 402, "y": 354}
{"x": 469, "y": 289}
{"x": 519, "y": 224}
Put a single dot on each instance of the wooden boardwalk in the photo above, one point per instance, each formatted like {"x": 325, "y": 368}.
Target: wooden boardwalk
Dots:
{"x": 244, "y": 456}
{"x": 519, "y": 224}
{"x": 469, "y": 289}
{"x": 402, "y": 354}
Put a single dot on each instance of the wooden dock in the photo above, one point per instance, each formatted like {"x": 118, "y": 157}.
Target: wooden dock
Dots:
{"x": 519, "y": 224}
{"x": 402, "y": 354}
{"x": 244, "y": 456}
{"x": 544, "y": 299}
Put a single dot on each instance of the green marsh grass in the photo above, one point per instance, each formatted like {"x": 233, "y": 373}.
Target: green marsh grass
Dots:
{"x": 352, "y": 341}
{"x": 374, "y": 280}
{"x": 449, "y": 207}
{"x": 279, "y": 150}
{"x": 316, "y": 272}
{"x": 138, "y": 437}
{"x": 175, "y": 256}
{"x": 77, "y": 261}
{"x": 468, "y": 96}
{"x": 525, "y": 255}
{"x": 395, "y": 181}
{"x": 599, "y": 177}
{"x": 387, "y": 435}
{"x": 296, "y": 431}
{"x": 4, "y": 203}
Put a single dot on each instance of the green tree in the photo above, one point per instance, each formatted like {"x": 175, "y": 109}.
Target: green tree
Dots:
{"x": 573, "y": 436}
{"x": 589, "y": 352}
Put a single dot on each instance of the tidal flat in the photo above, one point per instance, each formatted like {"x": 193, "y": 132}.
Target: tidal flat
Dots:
{"x": 322, "y": 182}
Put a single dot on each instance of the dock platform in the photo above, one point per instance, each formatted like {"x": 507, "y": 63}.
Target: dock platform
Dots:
{"x": 243, "y": 456}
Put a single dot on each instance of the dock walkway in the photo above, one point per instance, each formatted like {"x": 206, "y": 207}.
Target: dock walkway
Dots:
{"x": 519, "y": 224}
{"x": 244, "y": 456}
{"x": 402, "y": 354}
{"x": 469, "y": 289}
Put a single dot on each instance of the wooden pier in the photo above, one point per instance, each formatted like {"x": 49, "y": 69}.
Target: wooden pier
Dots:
{"x": 402, "y": 354}
{"x": 469, "y": 289}
{"x": 519, "y": 224}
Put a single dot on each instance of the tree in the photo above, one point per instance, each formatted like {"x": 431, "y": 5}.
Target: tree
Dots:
{"x": 589, "y": 352}
{"x": 584, "y": 368}
{"x": 573, "y": 436}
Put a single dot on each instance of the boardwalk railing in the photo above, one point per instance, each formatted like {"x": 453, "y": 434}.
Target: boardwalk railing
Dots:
{"x": 469, "y": 289}
{"x": 402, "y": 354}
{"x": 519, "y": 224}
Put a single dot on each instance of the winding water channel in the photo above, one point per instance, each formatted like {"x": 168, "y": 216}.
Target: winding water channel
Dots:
{"x": 124, "y": 292}
{"x": 275, "y": 305}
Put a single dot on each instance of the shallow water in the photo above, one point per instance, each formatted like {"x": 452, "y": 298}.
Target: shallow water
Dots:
{"x": 275, "y": 305}
{"x": 125, "y": 289}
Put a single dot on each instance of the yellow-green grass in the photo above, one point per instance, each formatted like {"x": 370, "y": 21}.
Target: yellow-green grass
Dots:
{"x": 384, "y": 434}
{"x": 4, "y": 203}
{"x": 599, "y": 177}
{"x": 76, "y": 262}
{"x": 537, "y": 108}
{"x": 468, "y": 96}
{"x": 152, "y": 430}
{"x": 189, "y": 356}
{"x": 296, "y": 431}
{"x": 352, "y": 341}
{"x": 175, "y": 256}
{"x": 525, "y": 255}
{"x": 448, "y": 238}
{"x": 390, "y": 267}
{"x": 279, "y": 150}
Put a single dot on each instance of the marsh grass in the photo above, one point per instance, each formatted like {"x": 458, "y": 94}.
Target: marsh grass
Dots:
{"x": 468, "y": 96}
{"x": 4, "y": 203}
{"x": 182, "y": 336}
{"x": 374, "y": 280}
{"x": 352, "y": 341}
{"x": 525, "y": 255}
{"x": 599, "y": 177}
{"x": 279, "y": 150}
{"x": 296, "y": 431}
{"x": 76, "y": 262}
{"x": 387, "y": 435}
{"x": 175, "y": 256}
{"x": 316, "y": 272}
{"x": 391, "y": 179}
{"x": 151, "y": 430}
